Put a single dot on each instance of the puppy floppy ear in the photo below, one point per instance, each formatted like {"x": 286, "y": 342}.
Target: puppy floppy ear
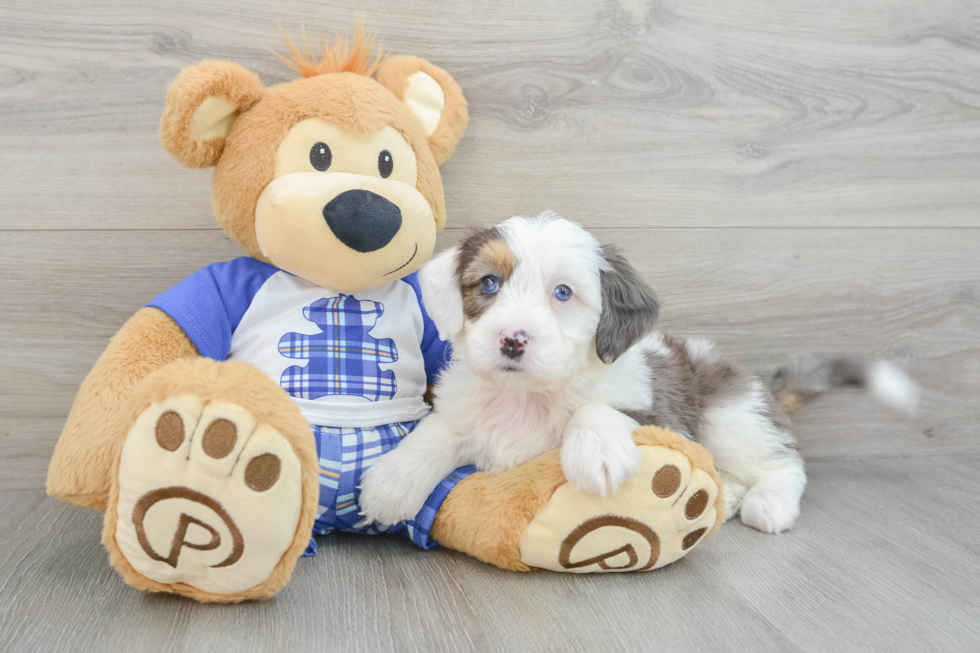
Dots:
{"x": 202, "y": 106}
{"x": 433, "y": 97}
{"x": 441, "y": 294}
{"x": 629, "y": 307}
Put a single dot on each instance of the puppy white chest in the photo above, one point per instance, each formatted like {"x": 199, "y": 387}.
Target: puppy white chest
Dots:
{"x": 510, "y": 429}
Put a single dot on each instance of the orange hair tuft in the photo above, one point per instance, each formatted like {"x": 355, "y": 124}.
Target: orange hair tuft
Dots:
{"x": 343, "y": 56}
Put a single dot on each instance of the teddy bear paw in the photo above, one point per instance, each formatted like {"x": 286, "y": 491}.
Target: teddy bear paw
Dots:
{"x": 207, "y": 496}
{"x": 653, "y": 519}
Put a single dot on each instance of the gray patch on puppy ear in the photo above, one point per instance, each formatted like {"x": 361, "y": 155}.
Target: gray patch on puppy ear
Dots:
{"x": 629, "y": 307}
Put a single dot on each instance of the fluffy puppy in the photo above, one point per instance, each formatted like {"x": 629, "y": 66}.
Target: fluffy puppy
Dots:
{"x": 555, "y": 345}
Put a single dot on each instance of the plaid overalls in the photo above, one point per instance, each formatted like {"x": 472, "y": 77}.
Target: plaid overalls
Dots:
{"x": 345, "y": 359}
{"x": 345, "y": 453}
{"x": 248, "y": 310}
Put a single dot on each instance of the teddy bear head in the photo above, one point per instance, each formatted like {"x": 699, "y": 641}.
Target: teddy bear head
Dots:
{"x": 333, "y": 177}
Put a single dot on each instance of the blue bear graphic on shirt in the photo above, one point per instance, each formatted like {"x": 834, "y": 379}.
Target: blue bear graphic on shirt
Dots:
{"x": 344, "y": 358}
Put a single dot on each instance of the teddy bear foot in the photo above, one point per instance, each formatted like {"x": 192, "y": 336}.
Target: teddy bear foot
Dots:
{"x": 208, "y": 498}
{"x": 539, "y": 520}
{"x": 654, "y": 519}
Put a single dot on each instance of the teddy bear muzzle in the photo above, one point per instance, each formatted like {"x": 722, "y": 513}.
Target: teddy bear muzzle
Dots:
{"x": 344, "y": 231}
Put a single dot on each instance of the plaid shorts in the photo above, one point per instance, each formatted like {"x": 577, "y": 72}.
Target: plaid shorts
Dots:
{"x": 345, "y": 454}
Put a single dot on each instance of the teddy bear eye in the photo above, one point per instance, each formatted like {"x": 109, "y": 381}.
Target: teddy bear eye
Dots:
{"x": 320, "y": 156}
{"x": 385, "y": 163}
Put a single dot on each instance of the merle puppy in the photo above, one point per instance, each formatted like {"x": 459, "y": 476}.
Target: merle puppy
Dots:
{"x": 555, "y": 346}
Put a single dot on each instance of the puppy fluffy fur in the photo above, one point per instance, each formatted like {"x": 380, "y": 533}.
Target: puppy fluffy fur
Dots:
{"x": 555, "y": 345}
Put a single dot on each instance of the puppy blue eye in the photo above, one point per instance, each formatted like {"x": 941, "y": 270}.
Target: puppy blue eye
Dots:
{"x": 489, "y": 285}
{"x": 563, "y": 293}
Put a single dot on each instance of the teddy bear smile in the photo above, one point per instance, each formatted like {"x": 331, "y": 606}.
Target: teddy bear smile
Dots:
{"x": 403, "y": 265}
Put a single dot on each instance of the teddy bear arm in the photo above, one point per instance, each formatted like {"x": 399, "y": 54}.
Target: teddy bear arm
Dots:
{"x": 80, "y": 467}
{"x": 531, "y": 517}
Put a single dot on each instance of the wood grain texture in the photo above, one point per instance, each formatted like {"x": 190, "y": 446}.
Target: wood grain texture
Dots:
{"x": 764, "y": 295}
{"x": 628, "y": 113}
{"x": 884, "y": 558}
{"x": 791, "y": 176}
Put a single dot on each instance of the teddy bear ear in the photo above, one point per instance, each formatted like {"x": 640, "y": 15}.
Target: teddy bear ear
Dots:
{"x": 433, "y": 97}
{"x": 202, "y": 106}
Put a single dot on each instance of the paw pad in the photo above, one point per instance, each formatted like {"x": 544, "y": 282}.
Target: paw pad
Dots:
{"x": 692, "y": 538}
{"x": 652, "y": 520}
{"x": 207, "y": 495}
{"x": 696, "y": 504}
{"x": 262, "y": 472}
{"x": 219, "y": 438}
{"x": 666, "y": 481}
{"x": 170, "y": 431}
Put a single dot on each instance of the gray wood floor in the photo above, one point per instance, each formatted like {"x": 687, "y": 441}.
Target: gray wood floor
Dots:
{"x": 792, "y": 176}
{"x": 884, "y": 558}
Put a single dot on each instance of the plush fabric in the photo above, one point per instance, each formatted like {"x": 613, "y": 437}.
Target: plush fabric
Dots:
{"x": 219, "y": 79}
{"x": 80, "y": 467}
{"x": 635, "y": 529}
{"x": 342, "y": 56}
{"x": 242, "y": 385}
{"x": 394, "y": 74}
{"x": 488, "y": 516}
{"x": 206, "y": 467}
{"x": 354, "y": 102}
{"x": 209, "y": 304}
{"x": 254, "y": 312}
{"x": 218, "y": 114}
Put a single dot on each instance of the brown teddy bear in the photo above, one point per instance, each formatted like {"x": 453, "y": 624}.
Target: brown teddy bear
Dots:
{"x": 193, "y": 430}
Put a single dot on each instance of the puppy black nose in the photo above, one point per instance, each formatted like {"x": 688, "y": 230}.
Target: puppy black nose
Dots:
{"x": 362, "y": 220}
{"x": 512, "y": 346}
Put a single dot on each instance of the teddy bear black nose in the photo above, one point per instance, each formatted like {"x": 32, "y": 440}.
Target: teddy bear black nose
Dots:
{"x": 362, "y": 220}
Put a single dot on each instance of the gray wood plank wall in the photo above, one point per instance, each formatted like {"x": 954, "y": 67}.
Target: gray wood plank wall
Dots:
{"x": 792, "y": 176}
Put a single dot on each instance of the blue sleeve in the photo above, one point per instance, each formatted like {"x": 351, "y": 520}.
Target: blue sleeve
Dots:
{"x": 209, "y": 304}
{"x": 436, "y": 352}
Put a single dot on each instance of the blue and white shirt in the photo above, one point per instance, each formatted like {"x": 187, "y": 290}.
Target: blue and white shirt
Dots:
{"x": 358, "y": 360}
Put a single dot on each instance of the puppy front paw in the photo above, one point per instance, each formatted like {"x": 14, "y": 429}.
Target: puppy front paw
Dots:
{"x": 597, "y": 462}
{"x": 390, "y": 493}
{"x": 598, "y": 453}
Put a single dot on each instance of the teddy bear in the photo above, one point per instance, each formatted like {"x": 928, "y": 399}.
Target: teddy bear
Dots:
{"x": 232, "y": 417}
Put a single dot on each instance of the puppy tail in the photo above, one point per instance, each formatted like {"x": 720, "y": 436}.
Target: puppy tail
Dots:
{"x": 806, "y": 378}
